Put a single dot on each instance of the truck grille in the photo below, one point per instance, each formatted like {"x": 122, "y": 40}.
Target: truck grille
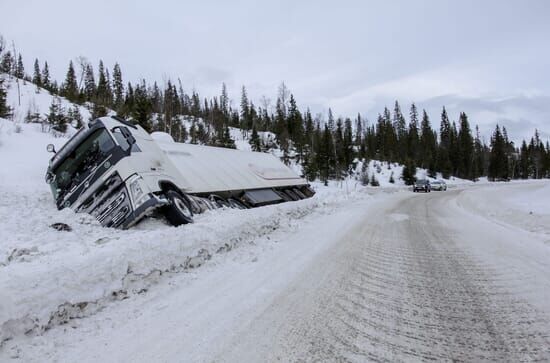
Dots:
{"x": 110, "y": 204}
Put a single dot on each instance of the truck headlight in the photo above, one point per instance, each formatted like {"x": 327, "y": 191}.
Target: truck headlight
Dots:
{"x": 138, "y": 194}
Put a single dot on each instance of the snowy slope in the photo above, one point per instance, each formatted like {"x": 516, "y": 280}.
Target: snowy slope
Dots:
{"x": 48, "y": 276}
{"x": 24, "y": 96}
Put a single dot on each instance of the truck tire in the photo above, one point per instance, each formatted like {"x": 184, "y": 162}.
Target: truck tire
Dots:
{"x": 234, "y": 203}
{"x": 283, "y": 195}
{"x": 178, "y": 211}
{"x": 219, "y": 201}
{"x": 292, "y": 195}
{"x": 195, "y": 206}
{"x": 299, "y": 193}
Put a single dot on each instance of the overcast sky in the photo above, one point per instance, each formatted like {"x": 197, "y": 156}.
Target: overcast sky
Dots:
{"x": 488, "y": 58}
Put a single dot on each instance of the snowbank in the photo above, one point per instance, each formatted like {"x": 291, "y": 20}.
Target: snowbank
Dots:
{"x": 48, "y": 277}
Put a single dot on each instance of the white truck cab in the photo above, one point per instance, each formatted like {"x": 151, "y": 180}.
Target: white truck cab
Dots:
{"x": 119, "y": 173}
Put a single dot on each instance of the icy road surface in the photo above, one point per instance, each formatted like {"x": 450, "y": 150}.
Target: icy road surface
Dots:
{"x": 459, "y": 275}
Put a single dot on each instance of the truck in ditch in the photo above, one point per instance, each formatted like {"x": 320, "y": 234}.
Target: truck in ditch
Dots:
{"x": 119, "y": 173}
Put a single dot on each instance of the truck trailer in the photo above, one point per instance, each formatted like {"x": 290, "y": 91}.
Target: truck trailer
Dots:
{"x": 119, "y": 173}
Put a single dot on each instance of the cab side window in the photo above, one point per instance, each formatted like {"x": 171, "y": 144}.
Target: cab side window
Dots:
{"x": 121, "y": 140}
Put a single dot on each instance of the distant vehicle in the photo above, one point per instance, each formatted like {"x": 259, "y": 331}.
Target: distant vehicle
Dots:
{"x": 422, "y": 185}
{"x": 439, "y": 185}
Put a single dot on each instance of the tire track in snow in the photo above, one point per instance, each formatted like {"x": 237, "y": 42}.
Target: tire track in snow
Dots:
{"x": 410, "y": 290}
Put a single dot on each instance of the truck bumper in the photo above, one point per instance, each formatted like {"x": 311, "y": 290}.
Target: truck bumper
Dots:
{"x": 136, "y": 215}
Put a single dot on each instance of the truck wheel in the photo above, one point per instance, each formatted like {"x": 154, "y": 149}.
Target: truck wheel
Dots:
{"x": 291, "y": 194}
{"x": 234, "y": 203}
{"x": 178, "y": 211}
{"x": 219, "y": 201}
{"x": 283, "y": 195}
{"x": 299, "y": 193}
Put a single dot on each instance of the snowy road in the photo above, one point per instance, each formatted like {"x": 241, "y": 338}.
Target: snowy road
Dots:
{"x": 406, "y": 277}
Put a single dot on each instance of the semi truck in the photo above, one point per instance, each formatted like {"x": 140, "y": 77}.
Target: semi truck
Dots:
{"x": 119, "y": 173}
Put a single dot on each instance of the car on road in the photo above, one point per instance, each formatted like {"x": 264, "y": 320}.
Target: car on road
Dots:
{"x": 439, "y": 185}
{"x": 422, "y": 185}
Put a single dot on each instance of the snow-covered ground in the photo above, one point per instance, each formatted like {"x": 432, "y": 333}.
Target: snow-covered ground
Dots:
{"x": 50, "y": 278}
{"x": 24, "y": 97}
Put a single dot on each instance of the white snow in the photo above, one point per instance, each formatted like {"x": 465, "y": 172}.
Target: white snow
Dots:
{"x": 45, "y": 272}
{"x": 24, "y": 96}
{"x": 50, "y": 277}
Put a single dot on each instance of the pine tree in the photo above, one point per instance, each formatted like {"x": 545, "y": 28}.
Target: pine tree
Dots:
{"x": 224, "y": 103}
{"x": 246, "y": 123}
{"x": 255, "y": 141}
{"x": 348, "y": 146}
{"x": 19, "y": 68}
{"x": 325, "y": 155}
{"x": 400, "y": 126}
{"x": 498, "y": 160}
{"x": 330, "y": 121}
{"x": 37, "y": 76}
{"x": 227, "y": 140}
{"x": 7, "y": 63}
{"x": 56, "y": 117}
{"x": 466, "y": 148}
{"x": 142, "y": 108}
{"x": 70, "y": 88}
{"x": 427, "y": 145}
{"x": 118, "y": 88}
{"x": 90, "y": 88}
{"x": 75, "y": 117}
{"x": 443, "y": 159}
{"x": 5, "y": 110}
{"x": 409, "y": 172}
{"x": 103, "y": 92}
{"x": 46, "y": 77}
{"x": 414, "y": 138}
{"x": 524, "y": 162}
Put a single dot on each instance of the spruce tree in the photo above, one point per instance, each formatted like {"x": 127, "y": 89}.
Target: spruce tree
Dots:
{"x": 443, "y": 159}
{"x": 118, "y": 87}
{"x": 90, "y": 87}
{"x": 224, "y": 103}
{"x": 428, "y": 145}
{"x": 466, "y": 148}
{"x": 70, "y": 88}
{"x": 46, "y": 77}
{"x": 37, "y": 76}
{"x": 103, "y": 92}
{"x": 245, "y": 110}
{"x": 414, "y": 139}
{"x": 6, "y": 65}
{"x": 142, "y": 109}
{"x": 75, "y": 117}
{"x": 325, "y": 155}
{"x": 56, "y": 117}
{"x": 409, "y": 172}
{"x": 19, "y": 68}
{"x": 255, "y": 141}
{"x": 400, "y": 126}
{"x": 498, "y": 160}
{"x": 348, "y": 146}
{"x": 5, "y": 110}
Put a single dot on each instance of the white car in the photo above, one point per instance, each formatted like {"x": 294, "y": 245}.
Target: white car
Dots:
{"x": 439, "y": 185}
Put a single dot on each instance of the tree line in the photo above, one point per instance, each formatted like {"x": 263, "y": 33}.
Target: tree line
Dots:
{"x": 325, "y": 148}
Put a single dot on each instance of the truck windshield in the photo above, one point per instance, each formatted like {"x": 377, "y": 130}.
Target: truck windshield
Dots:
{"x": 81, "y": 162}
